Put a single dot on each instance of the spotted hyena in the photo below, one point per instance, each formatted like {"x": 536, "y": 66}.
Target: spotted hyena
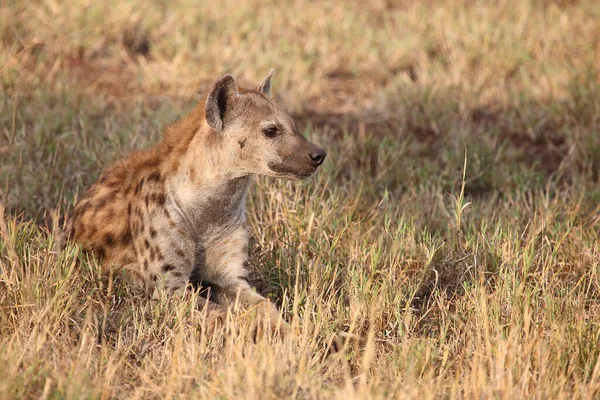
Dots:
{"x": 178, "y": 209}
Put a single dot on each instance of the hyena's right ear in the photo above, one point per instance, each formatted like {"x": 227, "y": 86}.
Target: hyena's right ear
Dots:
{"x": 219, "y": 100}
{"x": 265, "y": 85}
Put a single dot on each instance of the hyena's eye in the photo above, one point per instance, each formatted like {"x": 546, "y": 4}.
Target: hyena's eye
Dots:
{"x": 271, "y": 131}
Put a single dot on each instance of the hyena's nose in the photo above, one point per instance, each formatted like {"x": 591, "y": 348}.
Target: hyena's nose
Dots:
{"x": 317, "y": 156}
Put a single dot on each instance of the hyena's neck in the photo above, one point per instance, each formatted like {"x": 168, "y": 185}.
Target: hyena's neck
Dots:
{"x": 202, "y": 188}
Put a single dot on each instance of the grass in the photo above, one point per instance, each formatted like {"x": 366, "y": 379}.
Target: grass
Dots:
{"x": 452, "y": 232}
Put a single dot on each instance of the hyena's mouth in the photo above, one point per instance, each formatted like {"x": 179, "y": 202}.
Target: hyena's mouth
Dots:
{"x": 299, "y": 161}
{"x": 292, "y": 171}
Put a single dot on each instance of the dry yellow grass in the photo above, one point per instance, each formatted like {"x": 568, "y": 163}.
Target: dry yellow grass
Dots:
{"x": 482, "y": 285}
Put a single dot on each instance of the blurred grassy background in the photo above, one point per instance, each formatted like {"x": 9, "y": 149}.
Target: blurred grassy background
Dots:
{"x": 487, "y": 289}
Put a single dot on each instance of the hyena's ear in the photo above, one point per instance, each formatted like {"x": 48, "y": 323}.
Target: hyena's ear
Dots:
{"x": 220, "y": 100}
{"x": 265, "y": 85}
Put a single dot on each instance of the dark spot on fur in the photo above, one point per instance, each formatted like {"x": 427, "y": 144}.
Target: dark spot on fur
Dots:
{"x": 160, "y": 199}
{"x": 150, "y": 162}
{"x": 177, "y": 274}
{"x": 146, "y": 243}
{"x": 147, "y": 200}
{"x": 154, "y": 277}
{"x": 83, "y": 207}
{"x": 180, "y": 253}
{"x": 145, "y": 265}
{"x": 242, "y": 143}
{"x": 109, "y": 239}
{"x": 137, "y": 275}
{"x": 152, "y": 255}
{"x": 128, "y": 210}
{"x": 139, "y": 186}
{"x": 154, "y": 177}
{"x": 127, "y": 238}
{"x": 100, "y": 252}
{"x": 101, "y": 202}
{"x": 159, "y": 255}
{"x": 181, "y": 232}
{"x": 152, "y": 232}
{"x": 167, "y": 268}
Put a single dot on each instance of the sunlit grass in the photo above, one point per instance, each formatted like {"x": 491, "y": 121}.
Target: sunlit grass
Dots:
{"x": 451, "y": 235}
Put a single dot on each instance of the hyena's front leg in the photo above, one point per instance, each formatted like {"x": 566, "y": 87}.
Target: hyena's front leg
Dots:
{"x": 171, "y": 279}
{"x": 165, "y": 256}
{"x": 225, "y": 266}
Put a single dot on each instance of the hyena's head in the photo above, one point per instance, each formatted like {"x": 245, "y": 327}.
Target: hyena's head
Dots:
{"x": 256, "y": 134}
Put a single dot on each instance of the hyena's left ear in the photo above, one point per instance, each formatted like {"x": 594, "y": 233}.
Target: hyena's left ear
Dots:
{"x": 220, "y": 99}
{"x": 265, "y": 85}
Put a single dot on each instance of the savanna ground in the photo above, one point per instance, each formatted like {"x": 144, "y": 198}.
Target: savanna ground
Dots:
{"x": 487, "y": 289}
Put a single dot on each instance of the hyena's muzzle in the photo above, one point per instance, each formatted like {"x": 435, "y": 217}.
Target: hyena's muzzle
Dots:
{"x": 299, "y": 158}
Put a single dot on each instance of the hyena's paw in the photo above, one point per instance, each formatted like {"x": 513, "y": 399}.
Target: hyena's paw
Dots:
{"x": 213, "y": 315}
{"x": 268, "y": 319}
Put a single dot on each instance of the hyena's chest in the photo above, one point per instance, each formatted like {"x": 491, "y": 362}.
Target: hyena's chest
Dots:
{"x": 207, "y": 212}
{"x": 171, "y": 225}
